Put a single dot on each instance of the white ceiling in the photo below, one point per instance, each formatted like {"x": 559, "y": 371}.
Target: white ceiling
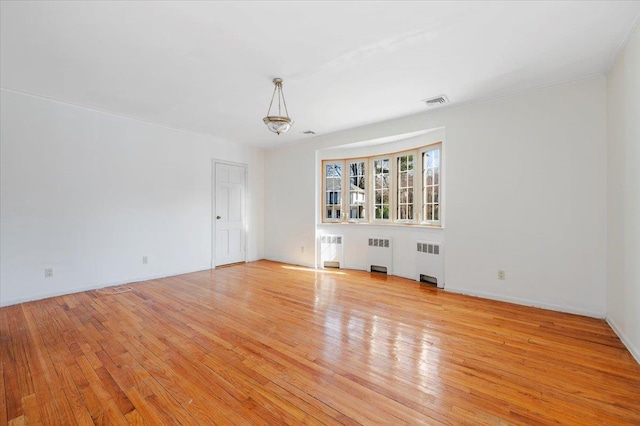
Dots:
{"x": 207, "y": 66}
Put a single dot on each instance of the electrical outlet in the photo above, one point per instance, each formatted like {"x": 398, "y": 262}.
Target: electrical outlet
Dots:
{"x": 501, "y": 275}
{"x": 48, "y": 272}
{"x": 301, "y": 249}
{"x": 145, "y": 260}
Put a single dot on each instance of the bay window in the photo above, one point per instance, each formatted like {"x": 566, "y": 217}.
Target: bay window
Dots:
{"x": 403, "y": 187}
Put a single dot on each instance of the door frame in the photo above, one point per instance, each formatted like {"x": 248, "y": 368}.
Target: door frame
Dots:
{"x": 214, "y": 162}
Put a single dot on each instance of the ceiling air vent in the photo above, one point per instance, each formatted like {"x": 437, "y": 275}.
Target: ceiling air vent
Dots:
{"x": 438, "y": 100}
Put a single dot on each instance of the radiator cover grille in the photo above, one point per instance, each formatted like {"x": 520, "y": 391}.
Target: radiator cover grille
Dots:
{"x": 380, "y": 254}
{"x": 331, "y": 251}
{"x": 430, "y": 262}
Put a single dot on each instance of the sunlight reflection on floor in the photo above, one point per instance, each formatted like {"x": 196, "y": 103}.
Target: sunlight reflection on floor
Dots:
{"x": 319, "y": 271}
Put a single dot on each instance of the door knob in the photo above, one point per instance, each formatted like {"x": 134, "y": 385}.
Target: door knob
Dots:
{"x": 218, "y": 217}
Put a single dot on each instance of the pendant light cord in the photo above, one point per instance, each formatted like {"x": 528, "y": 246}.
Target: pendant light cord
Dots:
{"x": 272, "y": 96}
{"x": 284, "y": 102}
{"x": 278, "y": 88}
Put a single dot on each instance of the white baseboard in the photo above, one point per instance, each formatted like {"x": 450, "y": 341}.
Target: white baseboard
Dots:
{"x": 526, "y": 302}
{"x": 635, "y": 352}
{"x": 95, "y": 286}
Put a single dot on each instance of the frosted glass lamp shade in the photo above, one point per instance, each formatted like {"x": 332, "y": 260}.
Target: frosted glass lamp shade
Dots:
{"x": 277, "y": 124}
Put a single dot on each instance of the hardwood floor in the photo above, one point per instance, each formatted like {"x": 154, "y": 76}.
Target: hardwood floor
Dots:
{"x": 268, "y": 343}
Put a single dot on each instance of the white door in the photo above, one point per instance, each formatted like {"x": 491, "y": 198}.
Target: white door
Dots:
{"x": 229, "y": 214}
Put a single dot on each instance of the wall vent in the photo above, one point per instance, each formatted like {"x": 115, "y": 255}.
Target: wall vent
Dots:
{"x": 331, "y": 239}
{"x": 429, "y": 248}
{"x": 379, "y": 242}
{"x": 438, "y": 100}
{"x": 430, "y": 262}
{"x": 331, "y": 251}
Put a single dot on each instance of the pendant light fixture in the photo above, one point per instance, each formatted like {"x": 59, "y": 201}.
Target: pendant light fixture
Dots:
{"x": 278, "y": 123}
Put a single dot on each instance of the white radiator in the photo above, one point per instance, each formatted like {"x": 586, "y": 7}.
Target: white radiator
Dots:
{"x": 380, "y": 255}
{"x": 331, "y": 251}
{"x": 430, "y": 262}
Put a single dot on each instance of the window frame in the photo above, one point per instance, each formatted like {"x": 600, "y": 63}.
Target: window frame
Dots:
{"x": 419, "y": 198}
{"x": 424, "y": 186}
{"x": 396, "y": 190}
{"x": 325, "y": 192}
{"x": 372, "y": 192}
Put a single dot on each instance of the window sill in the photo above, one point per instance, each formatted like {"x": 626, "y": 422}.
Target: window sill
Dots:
{"x": 391, "y": 224}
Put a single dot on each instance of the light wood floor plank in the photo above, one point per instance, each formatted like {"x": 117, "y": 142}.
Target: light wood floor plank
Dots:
{"x": 269, "y": 343}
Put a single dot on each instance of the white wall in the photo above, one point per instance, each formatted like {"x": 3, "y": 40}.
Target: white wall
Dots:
{"x": 88, "y": 194}
{"x": 623, "y": 183}
{"x": 525, "y": 183}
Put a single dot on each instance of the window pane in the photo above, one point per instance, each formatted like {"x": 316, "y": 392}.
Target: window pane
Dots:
{"x": 357, "y": 189}
{"x": 405, "y": 186}
{"x": 431, "y": 183}
{"x": 378, "y": 211}
{"x": 333, "y": 190}
{"x": 381, "y": 182}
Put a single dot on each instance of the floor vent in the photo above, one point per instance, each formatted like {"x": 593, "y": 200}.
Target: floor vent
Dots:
{"x": 426, "y": 279}
{"x": 380, "y": 269}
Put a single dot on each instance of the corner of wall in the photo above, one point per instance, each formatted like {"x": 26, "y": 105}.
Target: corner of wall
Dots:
{"x": 635, "y": 352}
